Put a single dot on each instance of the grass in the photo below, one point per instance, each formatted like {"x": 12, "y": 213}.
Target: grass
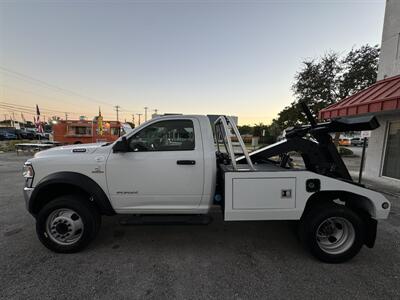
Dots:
{"x": 8, "y": 146}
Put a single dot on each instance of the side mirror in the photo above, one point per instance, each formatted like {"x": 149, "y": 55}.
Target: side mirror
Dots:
{"x": 121, "y": 146}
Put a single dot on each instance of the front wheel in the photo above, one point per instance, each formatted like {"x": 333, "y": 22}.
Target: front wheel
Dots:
{"x": 67, "y": 224}
{"x": 333, "y": 233}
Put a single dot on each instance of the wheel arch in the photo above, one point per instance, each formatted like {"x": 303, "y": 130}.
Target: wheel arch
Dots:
{"x": 62, "y": 183}
{"x": 355, "y": 201}
{"x": 360, "y": 204}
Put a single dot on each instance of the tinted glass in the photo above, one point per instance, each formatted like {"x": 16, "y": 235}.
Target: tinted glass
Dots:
{"x": 174, "y": 135}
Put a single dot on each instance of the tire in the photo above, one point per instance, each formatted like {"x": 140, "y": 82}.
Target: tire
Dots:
{"x": 332, "y": 233}
{"x": 67, "y": 224}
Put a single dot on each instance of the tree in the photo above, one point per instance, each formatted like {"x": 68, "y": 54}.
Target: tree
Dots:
{"x": 245, "y": 129}
{"x": 360, "y": 70}
{"x": 317, "y": 83}
{"x": 324, "y": 81}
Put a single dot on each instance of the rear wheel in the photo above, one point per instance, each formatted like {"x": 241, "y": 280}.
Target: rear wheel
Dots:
{"x": 67, "y": 224}
{"x": 333, "y": 233}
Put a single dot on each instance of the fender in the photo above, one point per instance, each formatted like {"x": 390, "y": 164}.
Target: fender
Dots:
{"x": 77, "y": 180}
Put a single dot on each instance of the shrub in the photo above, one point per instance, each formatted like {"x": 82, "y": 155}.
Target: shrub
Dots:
{"x": 345, "y": 151}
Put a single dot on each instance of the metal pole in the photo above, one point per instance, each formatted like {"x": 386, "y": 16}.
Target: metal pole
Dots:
{"x": 145, "y": 113}
{"x": 117, "y": 107}
{"x": 362, "y": 160}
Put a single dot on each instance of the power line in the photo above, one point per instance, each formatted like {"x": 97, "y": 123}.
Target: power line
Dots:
{"x": 53, "y": 86}
{"x": 41, "y": 95}
{"x": 30, "y": 93}
{"x": 50, "y": 85}
{"x": 30, "y": 107}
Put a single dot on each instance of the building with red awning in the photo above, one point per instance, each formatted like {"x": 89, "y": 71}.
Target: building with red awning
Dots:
{"x": 381, "y": 99}
{"x": 383, "y": 96}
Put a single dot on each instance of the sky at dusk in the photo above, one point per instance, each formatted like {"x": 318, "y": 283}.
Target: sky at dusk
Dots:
{"x": 198, "y": 57}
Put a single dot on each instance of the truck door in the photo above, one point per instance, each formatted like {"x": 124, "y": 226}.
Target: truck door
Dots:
{"x": 163, "y": 170}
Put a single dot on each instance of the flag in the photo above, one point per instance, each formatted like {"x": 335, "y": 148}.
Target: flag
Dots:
{"x": 38, "y": 123}
{"x": 100, "y": 123}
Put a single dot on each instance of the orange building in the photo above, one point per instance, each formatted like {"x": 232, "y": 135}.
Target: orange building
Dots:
{"x": 83, "y": 131}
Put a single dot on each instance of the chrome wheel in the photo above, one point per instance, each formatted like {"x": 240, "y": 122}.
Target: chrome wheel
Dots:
{"x": 335, "y": 235}
{"x": 64, "y": 226}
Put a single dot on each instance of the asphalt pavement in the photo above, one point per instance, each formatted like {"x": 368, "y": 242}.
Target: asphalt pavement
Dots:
{"x": 235, "y": 260}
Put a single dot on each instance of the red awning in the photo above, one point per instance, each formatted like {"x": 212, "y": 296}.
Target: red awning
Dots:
{"x": 384, "y": 95}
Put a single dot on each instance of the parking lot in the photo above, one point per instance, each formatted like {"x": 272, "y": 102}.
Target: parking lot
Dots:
{"x": 238, "y": 260}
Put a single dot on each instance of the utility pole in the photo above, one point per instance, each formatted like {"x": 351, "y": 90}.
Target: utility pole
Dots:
{"x": 133, "y": 119}
{"x": 117, "y": 107}
{"x": 145, "y": 113}
{"x": 66, "y": 116}
{"x": 139, "y": 117}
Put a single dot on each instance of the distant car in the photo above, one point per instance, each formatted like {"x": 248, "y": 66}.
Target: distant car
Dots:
{"x": 4, "y": 136}
{"x": 358, "y": 142}
{"x": 344, "y": 142}
{"x": 26, "y": 135}
{"x": 42, "y": 136}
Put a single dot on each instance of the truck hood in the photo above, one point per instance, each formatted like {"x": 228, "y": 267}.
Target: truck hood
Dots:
{"x": 71, "y": 149}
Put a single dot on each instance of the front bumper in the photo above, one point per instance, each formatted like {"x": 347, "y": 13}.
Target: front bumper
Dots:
{"x": 27, "y": 196}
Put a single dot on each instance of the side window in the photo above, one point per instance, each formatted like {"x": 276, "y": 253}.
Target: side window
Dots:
{"x": 173, "y": 135}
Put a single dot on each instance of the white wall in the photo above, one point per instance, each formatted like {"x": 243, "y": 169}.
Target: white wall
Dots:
{"x": 389, "y": 59}
{"x": 389, "y": 65}
{"x": 375, "y": 150}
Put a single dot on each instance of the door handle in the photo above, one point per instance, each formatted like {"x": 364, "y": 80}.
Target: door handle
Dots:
{"x": 186, "y": 162}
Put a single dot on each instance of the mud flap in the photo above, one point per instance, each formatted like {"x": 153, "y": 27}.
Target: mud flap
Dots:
{"x": 371, "y": 226}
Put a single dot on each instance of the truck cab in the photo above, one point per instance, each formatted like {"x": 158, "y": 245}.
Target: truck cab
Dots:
{"x": 167, "y": 166}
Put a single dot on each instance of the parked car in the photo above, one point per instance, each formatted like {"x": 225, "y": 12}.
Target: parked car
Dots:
{"x": 26, "y": 135}
{"x": 5, "y": 135}
{"x": 357, "y": 141}
{"x": 344, "y": 142}
{"x": 42, "y": 136}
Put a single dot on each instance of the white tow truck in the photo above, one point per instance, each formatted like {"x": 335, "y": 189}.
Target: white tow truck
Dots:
{"x": 184, "y": 164}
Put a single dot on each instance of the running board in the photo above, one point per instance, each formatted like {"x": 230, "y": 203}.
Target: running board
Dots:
{"x": 166, "y": 220}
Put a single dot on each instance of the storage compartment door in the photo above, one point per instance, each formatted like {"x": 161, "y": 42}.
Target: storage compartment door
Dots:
{"x": 264, "y": 193}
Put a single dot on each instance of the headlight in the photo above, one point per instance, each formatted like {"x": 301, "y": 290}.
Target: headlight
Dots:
{"x": 28, "y": 171}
